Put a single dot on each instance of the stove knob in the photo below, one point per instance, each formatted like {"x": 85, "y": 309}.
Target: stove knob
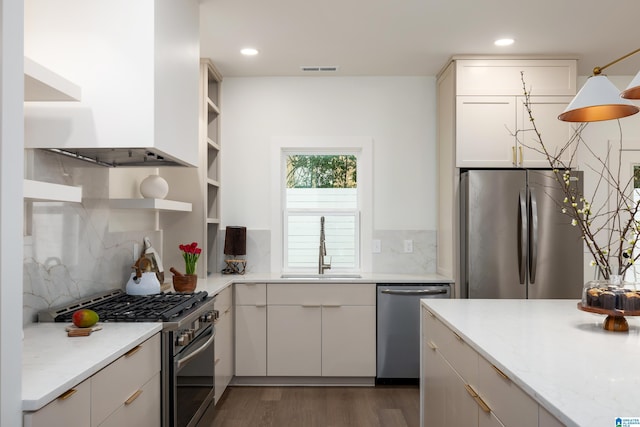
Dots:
{"x": 182, "y": 339}
{"x": 192, "y": 333}
{"x": 216, "y": 315}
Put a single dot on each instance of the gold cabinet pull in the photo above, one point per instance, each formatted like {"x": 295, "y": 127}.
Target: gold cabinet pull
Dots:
{"x": 521, "y": 155}
{"x": 432, "y": 345}
{"x": 67, "y": 394}
{"x": 133, "y": 351}
{"x": 430, "y": 313}
{"x": 513, "y": 155}
{"x": 216, "y": 362}
{"x": 133, "y": 397}
{"x": 478, "y": 399}
{"x": 502, "y": 374}
{"x": 458, "y": 337}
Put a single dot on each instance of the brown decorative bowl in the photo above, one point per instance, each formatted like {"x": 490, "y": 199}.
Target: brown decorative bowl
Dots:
{"x": 186, "y": 283}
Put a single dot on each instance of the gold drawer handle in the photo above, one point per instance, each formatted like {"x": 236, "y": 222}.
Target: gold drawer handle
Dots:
{"x": 478, "y": 399}
{"x": 502, "y": 374}
{"x": 521, "y": 155}
{"x": 458, "y": 337}
{"x": 216, "y": 362}
{"x": 513, "y": 154}
{"x": 227, "y": 310}
{"x": 430, "y": 313}
{"x": 67, "y": 394}
{"x": 133, "y": 397}
{"x": 432, "y": 345}
{"x": 133, "y": 351}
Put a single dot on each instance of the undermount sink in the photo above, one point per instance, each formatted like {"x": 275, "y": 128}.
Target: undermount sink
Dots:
{"x": 320, "y": 276}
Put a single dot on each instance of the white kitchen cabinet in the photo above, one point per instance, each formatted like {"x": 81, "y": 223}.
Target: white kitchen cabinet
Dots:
{"x": 250, "y": 329}
{"x": 71, "y": 408}
{"x": 124, "y": 393}
{"x": 294, "y": 343}
{"x": 223, "y": 349}
{"x": 460, "y": 387}
{"x": 141, "y": 74}
{"x": 325, "y": 329}
{"x": 122, "y": 384}
{"x": 486, "y": 127}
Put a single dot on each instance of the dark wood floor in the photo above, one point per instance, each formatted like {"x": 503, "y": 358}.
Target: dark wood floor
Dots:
{"x": 383, "y": 406}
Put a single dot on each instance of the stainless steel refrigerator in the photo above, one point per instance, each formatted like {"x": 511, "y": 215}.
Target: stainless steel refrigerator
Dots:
{"x": 515, "y": 241}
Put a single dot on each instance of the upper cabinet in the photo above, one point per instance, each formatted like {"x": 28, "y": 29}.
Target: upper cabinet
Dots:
{"x": 489, "y": 108}
{"x": 137, "y": 64}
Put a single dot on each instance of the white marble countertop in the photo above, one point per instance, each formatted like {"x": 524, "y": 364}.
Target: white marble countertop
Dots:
{"x": 217, "y": 282}
{"x": 559, "y": 355}
{"x": 52, "y": 363}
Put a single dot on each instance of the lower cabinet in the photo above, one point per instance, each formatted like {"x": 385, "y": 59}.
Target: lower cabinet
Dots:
{"x": 223, "y": 350}
{"x": 250, "y": 329}
{"x": 305, "y": 329}
{"x": 324, "y": 329}
{"x": 459, "y": 387}
{"x": 124, "y": 393}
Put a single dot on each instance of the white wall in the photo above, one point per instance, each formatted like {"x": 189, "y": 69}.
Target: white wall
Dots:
{"x": 397, "y": 112}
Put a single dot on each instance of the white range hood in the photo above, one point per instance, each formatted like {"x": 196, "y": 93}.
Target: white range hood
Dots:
{"x": 137, "y": 65}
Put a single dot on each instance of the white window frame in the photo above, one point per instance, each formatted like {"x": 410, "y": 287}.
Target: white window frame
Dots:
{"x": 362, "y": 147}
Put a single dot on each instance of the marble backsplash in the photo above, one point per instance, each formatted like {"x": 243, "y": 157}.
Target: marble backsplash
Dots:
{"x": 391, "y": 259}
{"x": 69, "y": 252}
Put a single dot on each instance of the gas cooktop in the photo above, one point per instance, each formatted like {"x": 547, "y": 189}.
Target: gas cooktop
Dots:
{"x": 117, "y": 306}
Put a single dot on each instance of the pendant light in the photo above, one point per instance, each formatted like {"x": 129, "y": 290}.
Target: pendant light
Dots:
{"x": 600, "y": 100}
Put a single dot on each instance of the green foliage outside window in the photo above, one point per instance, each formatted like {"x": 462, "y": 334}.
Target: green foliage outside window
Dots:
{"x": 321, "y": 171}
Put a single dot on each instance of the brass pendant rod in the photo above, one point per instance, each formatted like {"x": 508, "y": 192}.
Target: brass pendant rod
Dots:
{"x": 598, "y": 70}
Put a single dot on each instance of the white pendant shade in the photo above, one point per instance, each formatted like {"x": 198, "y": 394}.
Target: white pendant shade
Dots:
{"x": 633, "y": 90}
{"x": 598, "y": 100}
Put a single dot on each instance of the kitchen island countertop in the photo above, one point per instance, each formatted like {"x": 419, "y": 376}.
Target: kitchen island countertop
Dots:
{"x": 560, "y": 356}
{"x": 52, "y": 363}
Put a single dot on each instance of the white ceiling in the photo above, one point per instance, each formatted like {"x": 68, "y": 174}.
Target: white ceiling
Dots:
{"x": 412, "y": 37}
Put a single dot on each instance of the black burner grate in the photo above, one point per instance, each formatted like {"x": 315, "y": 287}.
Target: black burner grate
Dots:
{"x": 161, "y": 307}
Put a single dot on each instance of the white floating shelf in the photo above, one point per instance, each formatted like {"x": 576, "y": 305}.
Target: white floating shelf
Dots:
{"x": 213, "y": 182}
{"x": 42, "y": 84}
{"x": 213, "y": 220}
{"x": 155, "y": 204}
{"x": 48, "y": 192}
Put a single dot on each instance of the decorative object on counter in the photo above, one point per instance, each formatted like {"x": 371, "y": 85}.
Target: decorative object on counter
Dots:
{"x": 143, "y": 280}
{"x": 156, "y": 262}
{"x": 613, "y": 297}
{"x": 187, "y": 282}
{"x": 609, "y": 233}
{"x": 154, "y": 187}
{"x": 184, "y": 282}
{"x": 235, "y": 245}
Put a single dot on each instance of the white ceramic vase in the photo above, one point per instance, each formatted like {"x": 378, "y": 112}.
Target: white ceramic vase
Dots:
{"x": 154, "y": 187}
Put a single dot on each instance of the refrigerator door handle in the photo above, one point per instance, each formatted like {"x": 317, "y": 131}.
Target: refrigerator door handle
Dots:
{"x": 533, "y": 237}
{"x": 522, "y": 237}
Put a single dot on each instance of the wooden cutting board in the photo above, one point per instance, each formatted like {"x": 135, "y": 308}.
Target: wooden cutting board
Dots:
{"x": 74, "y": 331}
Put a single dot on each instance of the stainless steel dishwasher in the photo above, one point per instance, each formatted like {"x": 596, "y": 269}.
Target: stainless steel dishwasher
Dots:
{"x": 398, "y": 329}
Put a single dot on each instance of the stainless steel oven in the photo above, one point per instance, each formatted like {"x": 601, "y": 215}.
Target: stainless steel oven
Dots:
{"x": 189, "y": 376}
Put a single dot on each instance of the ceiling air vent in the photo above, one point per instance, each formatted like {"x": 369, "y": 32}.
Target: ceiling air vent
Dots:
{"x": 320, "y": 68}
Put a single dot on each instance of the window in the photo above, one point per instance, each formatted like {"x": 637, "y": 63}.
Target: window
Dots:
{"x": 321, "y": 185}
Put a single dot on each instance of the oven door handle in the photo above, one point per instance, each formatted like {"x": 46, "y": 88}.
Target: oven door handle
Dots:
{"x": 414, "y": 291}
{"x": 181, "y": 362}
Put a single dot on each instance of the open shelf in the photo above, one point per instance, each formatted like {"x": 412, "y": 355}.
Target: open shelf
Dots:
{"x": 42, "y": 84}
{"x": 154, "y": 204}
{"x": 48, "y": 192}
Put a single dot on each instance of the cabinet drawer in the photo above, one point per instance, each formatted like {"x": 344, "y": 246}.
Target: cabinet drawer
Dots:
{"x": 251, "y": 293}
{"x": 322, "y": 294}
{"x": 462, "y": 358}
{"x": 223, "y": 300}
{"x": 141, "y": 409}
{"x": 72, "y": 408}
{"x": 116, "y": 383}
{"x": 510, "y": 404}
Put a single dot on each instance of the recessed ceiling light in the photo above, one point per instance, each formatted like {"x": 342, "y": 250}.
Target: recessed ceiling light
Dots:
{"x": 249, "y": 51}
{"x": 503, "y": 42}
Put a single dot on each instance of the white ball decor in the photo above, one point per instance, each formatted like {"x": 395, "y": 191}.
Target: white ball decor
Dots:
{"x": 154, "y": 187}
